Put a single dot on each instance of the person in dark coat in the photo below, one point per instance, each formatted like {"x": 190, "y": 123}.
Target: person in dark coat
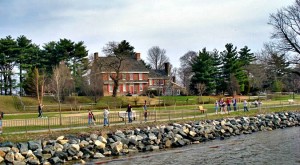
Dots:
{"x": 129, "y": 112}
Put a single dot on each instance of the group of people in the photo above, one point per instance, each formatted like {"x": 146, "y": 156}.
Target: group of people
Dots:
{"x": 92, "y": 119}
{"x": 224, "y": 106}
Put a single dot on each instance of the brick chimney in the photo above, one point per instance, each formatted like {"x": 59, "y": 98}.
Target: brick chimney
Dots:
{"x": 138, "y": 56}
{"x": 96, "y": 55}
{"x": 174, "y": 79}
{"x": 167, "y": 68}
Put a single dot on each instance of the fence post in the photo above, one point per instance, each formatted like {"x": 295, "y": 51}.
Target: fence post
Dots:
{"x": 181, "y": 113}
{"x": 26, "y": 125}
{"x": 141, "y": 118}
{"x": 48, "y": 124}
{"x": 125, "y": 117}
{"x": 155, "y": 115}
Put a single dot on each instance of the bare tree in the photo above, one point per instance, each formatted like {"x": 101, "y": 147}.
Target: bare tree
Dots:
{"x": 286, "y": 25}
{"x": 61, "y": 81}
{"x": 185, "y": 71}
{"x": 39, "y": 84}
{"x": 201, "y": 87}
{"x": 157, "y": 57}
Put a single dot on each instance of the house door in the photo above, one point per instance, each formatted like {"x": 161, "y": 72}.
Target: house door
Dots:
{"x": 131, "y": 89}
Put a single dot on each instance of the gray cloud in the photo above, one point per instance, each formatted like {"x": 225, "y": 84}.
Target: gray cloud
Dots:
{"x": 175, "y": 25}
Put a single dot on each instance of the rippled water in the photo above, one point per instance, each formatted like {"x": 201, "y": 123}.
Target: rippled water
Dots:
{"x": 280, "y": 146}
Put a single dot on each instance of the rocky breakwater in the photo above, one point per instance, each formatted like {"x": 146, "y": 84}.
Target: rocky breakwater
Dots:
{"x": 93, "y": 146}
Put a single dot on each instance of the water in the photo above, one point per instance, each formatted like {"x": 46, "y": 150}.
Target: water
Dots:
{"x": 280, "y": 147}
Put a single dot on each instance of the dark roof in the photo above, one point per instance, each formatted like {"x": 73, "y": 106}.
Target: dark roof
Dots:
{"x": 157, "y": 74}
{"x": 128, "y": 64}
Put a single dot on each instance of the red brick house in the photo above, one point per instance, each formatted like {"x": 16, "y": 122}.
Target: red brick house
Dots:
{"x": 134, "y": 77}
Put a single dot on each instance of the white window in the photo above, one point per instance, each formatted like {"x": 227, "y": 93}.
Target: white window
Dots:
{"x": 131, "y": 76}
{"x": 140, "y": 76}
{"x": 141, "y": 87}
{"x": 150, "y": 82}
{"x": 110, "y": 88}
{"x": 161, "y": 82}
{"x": 109, "y": 78}
{"x": 124, "y": 87}
{"x": 124, "y": 76}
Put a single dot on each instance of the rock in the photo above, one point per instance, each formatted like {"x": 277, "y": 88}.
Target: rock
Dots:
{"x": 192, "y": 133}
{"x": 10, "y": 157}
{"x": 102, "y": 139}
{"x": 168, "y": 143}
{"x": 2, "y": 154}
{"x": 152, "y": 136}
{"x": 58, "y": 147}
{"x": 83, "y": 143}
{"x": 60, "y": 138}
{"x": 72, "y": 151}
{"x": 5, "y": 149}
{"x": 7, "y": 144}
{"x": 180, "y": 143}
{"x": 99, "y": 145}
{"x": 19, "y": 163}
{"x": 61, "y": 155}
{"x": 117, "y": 147}
{"x": 75, "y": 146}
{"x": 47, "y": 156}
{"x": 30, "y": 154}
{"x": 14, "y": 149}
{"x": 47, "y": 149}
{"x": 93, "y": 137}
{"x": 33, "y": 161}
{"x": 1, "y": 159}
{"x": 62, "y": 142}
{"x": 185, "y": 130}
{"x": 19, "y": 157}
{"x": 34, "y": 145}
{"x": 55, "y": 160}
{"x": 98, "y": 156}
{"x": 154, "y": 147}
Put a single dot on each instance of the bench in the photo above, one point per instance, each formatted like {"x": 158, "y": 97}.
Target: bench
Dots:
{"x": 123, "y": 115}
{"x": 201, "y": 109}
{"x": 291, "y": 101}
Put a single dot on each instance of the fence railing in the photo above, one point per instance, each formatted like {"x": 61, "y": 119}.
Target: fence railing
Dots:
{"x": 162, "y": 113}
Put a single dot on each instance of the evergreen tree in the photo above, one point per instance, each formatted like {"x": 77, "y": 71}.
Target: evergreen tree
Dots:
{"x": 204, "y": 71}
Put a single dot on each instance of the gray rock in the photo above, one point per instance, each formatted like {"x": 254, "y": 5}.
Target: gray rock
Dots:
{"x": 7, "y": 144}
{"x": 34, "y": 145}
{"x": 61, "y": 155}
{"x": 5, "y": 149}
{"x": 98, "y": 156}
{"x": 93, "y": 136}
{"x": 55, "y": 160}
{"x": 33, "y": 161}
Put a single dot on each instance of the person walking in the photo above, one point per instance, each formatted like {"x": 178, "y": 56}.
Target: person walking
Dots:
{"x": 245, "y": 106}
{"x": 40, "y": 110}
{"x": 129, "y": 112}
{"x": 228, "y": 101}
{"x": 145, "y": 111}
{"x": 234, "y": 103}
{"x": 216, "y": 106}
{"x": 91, "y": 118}
{"x": 105, "y": 115}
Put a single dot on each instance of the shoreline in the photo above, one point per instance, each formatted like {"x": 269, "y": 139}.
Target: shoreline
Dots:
{"x": 72, "y": 148}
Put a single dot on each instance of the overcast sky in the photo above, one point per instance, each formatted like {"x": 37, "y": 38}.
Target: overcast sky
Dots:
{"x": 175, "y": 25}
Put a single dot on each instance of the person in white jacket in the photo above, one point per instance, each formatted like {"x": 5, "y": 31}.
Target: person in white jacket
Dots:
{"x": 105, "y": 115}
